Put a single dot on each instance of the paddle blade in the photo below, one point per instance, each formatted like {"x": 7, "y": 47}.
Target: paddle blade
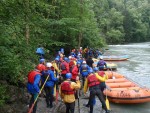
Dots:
{"x": 107, "y": 104}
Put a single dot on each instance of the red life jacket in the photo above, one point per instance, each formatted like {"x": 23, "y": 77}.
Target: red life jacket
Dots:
{"x": 31, "y": 76}
{"x": 66, "y": 88}
{"x": 92, "y": 80}
{"x": 101, "y": 73}
{"x": 63, "y": 66}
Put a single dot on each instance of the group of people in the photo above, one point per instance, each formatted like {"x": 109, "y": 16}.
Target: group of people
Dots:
{"x": 64, "y": 74}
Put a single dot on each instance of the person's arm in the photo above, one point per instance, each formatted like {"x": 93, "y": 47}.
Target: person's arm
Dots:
{"x": 36, "y": 83}
{"x": 102, "y": 79}
{"x": 76, "y": 85}
{"x": 98, "y": 64}
{"x": 53, "y": 78}
{"x": 60, "y": 92}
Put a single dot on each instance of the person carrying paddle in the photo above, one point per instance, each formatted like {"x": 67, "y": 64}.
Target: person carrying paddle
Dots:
{"x": 101, "y": 74}
{"x": 92, "y": 82}
{"x": 49, "y": 85}
{"x": 101, "y": 64}
{"x": 33, "y": 88}
{"x": 67, "y": 90}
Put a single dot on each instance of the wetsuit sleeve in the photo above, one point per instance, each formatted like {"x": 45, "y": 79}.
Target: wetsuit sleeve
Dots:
{"x": 36, "y": 83}
{"x": 53, "y": 78}
{"x": 102, "y": 79}
{"x": 76, "y": 85}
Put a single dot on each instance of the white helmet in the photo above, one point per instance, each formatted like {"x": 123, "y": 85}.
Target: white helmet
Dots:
{"x": 48, "y": 64}
{"x": 84, "y": 62}
{"x": 101, "y": 57}
{"x": 70, "y": 57}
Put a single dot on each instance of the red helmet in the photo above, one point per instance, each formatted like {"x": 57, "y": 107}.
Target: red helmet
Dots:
{"x": 40, "y": 67}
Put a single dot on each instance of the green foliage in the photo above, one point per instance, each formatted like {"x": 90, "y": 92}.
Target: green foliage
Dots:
{"x": 3, "y": 94}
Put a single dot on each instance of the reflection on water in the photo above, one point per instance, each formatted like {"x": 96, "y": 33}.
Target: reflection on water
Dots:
{"x": 136, "y": 68}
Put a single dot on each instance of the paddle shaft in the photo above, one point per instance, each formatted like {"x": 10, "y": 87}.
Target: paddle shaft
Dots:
{"x": 78, "y": 101}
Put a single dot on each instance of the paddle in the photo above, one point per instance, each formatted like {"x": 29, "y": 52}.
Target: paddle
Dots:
{"x": 30, "y": 110}
{"x": 107, "y": 101}
{"x": 78, "y": 101}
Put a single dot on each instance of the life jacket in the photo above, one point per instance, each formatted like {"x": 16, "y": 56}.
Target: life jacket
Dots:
{"x": 66, "y": 88}
{"x": 45, "y": 74}
{"x": 84, "y": 67}
{"x": 71, "y": 68}
{"x": 101, "y": 63}
{"x": 62, "y": 66}
{"x": 101, "y": 73}
{"x": 31, "y": 76}
{"x": 92, "y": 80}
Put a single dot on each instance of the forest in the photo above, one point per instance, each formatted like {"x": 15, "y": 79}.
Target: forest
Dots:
{"x": 52, "y": 24}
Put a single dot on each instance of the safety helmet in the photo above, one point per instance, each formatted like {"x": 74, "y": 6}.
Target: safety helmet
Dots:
{"x": 68, "y": 75}
{"x": 65, "y": 58}
{"x": 40, "y": 67}
{"x": 90, "y": 70}
{"x": 84, "y": 62}
{"x": 48, "y": 64}
{"x": 42, "y": 60}
{"x": 70, "y": 57}
{"x": 57, "y": 59}
{"x": 78, "y": 62}
{"x": 95, "y": 69}
{"x": 101, "y": 57}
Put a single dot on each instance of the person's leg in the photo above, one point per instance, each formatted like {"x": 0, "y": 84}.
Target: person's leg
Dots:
{"x": 35, "y": 106}
{"x": 51, "y": 96}
{"x": 92, "y": 96}
{"x": 31, "y": 100}
{"x": 47, "y": 96}
{"x": 101, "y": 98}
{"x": 67, "y": 107}
{"x": 72, "y": 106}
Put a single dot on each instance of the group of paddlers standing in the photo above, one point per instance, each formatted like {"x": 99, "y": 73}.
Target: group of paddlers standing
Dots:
{"x": 63, "y": 74}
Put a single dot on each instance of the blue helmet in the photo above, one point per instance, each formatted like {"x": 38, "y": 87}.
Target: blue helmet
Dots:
{"x": 68, "y": 75}
{"x": 78, "y": 62}
{"x": 57, "y": 59}
{"x": 42, "y": 60}
{"x": 95, "y": 68}
{"x": 65, "y": 58}
{"x": 90, "y": 70}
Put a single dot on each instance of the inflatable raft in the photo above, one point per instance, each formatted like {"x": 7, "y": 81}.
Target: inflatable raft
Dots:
{"x": 110, "y": 66}
{"x": 115, "y": 58}
{"x": 124, "y": 90}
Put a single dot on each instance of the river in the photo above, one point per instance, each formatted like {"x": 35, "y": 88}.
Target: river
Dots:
{"x": 136, "y": 68}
